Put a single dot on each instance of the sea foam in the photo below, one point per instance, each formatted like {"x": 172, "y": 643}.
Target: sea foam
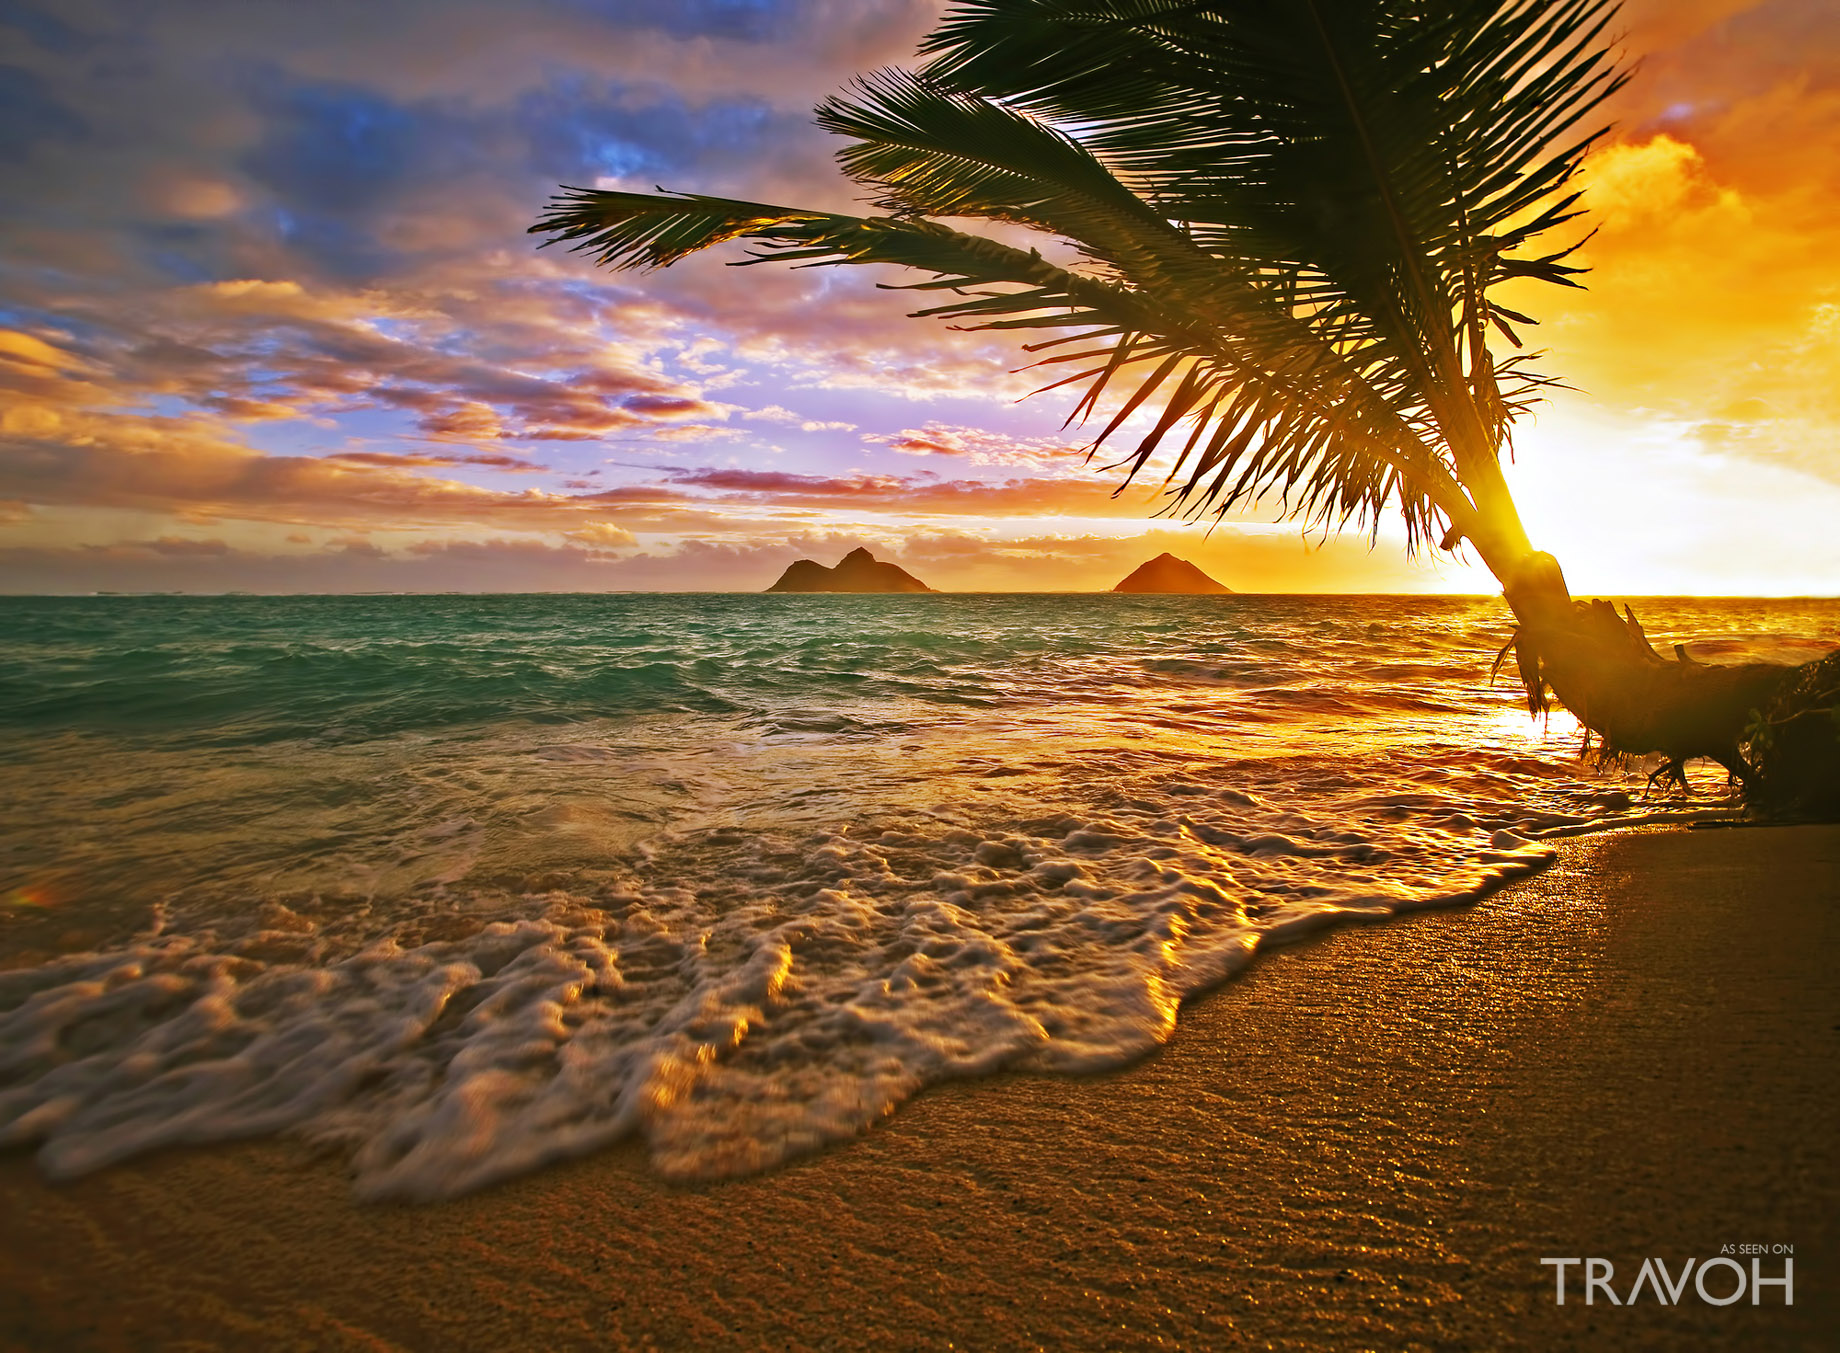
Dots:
{"x": 731, "y": 1023}
{"x": 463, "y": 886}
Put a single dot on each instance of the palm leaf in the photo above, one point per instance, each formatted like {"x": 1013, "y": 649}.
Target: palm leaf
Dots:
{"x": 1291, "y": 215}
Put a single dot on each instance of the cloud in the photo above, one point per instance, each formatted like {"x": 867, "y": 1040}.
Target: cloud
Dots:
{"x": 670, "y": 406}
{"x": 774, "y": 413}
{"x": 604, "y": 535}
{"x": 196, "y": 468}
{"x": 692, "y": 432}
{"x": 1706, "y": 306}
{"x": 980, "y": 446}
{"x": 352, "y": 565}
{"x": 776, "y": 482}
{"x": 1245, "y": 559}
{"x": 925, "y": 495}
{"x": 1717, "y": 203}
{"x": 391, "y": 459}
{"x": 173, "y": 545}
{"x": 255, "y": 350}
{"x": 193, "y": 466}
{"x": 33, "y": 118}
{"x": 265, "y": 268}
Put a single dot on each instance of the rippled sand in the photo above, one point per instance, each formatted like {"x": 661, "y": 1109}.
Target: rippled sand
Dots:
{"x": 1369, "y": 1139}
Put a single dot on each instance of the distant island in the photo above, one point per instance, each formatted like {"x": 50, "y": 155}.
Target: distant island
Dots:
{"x": 857, "y": 571}
{"x": 1166, "y": 573}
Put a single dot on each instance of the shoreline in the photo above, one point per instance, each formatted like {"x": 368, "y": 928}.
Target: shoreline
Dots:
{"x": 1369, "y": 1137}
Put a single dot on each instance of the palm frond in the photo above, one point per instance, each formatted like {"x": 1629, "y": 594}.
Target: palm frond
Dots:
{"x": 1292, "y": 215}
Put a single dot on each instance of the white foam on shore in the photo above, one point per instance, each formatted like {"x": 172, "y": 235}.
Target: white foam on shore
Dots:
{"x": 743, "y": 898}
{"x": 733, "y": 1016}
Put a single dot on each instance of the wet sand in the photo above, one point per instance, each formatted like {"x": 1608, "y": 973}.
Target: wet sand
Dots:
{"x": 1369, "y": 1140}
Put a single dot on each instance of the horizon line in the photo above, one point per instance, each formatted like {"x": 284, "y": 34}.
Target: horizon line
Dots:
{"x": 92, "y": 594}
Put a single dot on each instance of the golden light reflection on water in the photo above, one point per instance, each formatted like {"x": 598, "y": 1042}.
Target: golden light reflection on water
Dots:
{"x": 877, "y": 847}
{"x": 1512, "y": 725}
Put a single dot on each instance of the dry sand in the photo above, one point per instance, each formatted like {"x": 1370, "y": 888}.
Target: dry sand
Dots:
{"x": 1367, "y": 1142}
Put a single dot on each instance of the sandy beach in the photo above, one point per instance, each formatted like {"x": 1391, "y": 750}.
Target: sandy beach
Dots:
{"x": 1368, "y": 1141}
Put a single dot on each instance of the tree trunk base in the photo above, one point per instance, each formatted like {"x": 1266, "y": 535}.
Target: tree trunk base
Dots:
{"x": 1794, "y": 746}
{"x": 1773, "y": 728}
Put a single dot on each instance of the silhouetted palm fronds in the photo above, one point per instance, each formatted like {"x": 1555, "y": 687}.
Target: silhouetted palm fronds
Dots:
{"x": 1293, "y": 220}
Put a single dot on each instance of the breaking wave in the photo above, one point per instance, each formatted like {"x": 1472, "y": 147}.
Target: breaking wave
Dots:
{"x": 466, "y": 885}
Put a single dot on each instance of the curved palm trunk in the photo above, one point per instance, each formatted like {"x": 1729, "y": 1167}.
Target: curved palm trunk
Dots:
{"x": 1601, "y": 666}
{"x": 1303, "y": 275}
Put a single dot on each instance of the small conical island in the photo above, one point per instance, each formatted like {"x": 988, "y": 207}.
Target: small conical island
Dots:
{"x": 857, "y": 571}
{"x": 1166, "y": 573}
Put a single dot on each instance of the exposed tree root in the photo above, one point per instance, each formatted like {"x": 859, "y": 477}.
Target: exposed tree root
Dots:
{"x": 1794, "y": 745}
{"x": 1772, "y": 727}
{"x": 1670, "y": 774}
{"x": 1601, "y": 667}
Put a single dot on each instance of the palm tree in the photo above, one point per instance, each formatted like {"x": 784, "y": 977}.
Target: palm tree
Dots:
{"x": 1295, "y": 222}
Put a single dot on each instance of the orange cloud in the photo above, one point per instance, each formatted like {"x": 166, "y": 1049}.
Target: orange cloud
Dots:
{"x": 1711, "y": 300}
{"x": 191, "y": 466}
{"x": 604, "y": 535}
{"x": 513, "y": 464}
{"x": 1711, "y": 318}
{"x": 263, "y": 349}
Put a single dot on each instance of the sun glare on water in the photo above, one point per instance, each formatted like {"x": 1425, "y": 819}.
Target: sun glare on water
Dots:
{"x": 1512, "y": 725}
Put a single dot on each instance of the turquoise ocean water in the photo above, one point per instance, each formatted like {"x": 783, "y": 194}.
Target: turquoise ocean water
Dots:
{"x": 463, "y": 884}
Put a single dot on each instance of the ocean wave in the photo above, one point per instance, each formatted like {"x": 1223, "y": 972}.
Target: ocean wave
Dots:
{"x": 766, "y": 1003}
{"x": 465, "y": 885}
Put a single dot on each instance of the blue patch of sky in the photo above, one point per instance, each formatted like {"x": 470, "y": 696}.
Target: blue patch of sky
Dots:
{"x": 43, "y": 29}
{"x": 270, "y": 343}
{"x": 30, "y": 115}
{"x": 456, "y": 342}
{"x": 739, "y": 20}
{"x": 393, "y": 431}
{"x": 337, "y": 157}
{"x": 184, "y": 251}
{"x": 580, "y": 299}
{"x": 578, "y": 129}
{"x": 378, "y": 429}
{"x": 289, "y": 437}
{"x": 331, "y": 148}
{"x": 15, "y": 316}
{"x": 259, "y": 382}
{"x": 344, "y": 250}
{"x": 399, "y": 330}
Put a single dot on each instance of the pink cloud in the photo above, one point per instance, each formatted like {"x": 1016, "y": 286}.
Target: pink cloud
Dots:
{"x": 979, "y": 446}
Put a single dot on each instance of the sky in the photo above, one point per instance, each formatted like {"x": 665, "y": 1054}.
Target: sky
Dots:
{"x": 270, "y": 321}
